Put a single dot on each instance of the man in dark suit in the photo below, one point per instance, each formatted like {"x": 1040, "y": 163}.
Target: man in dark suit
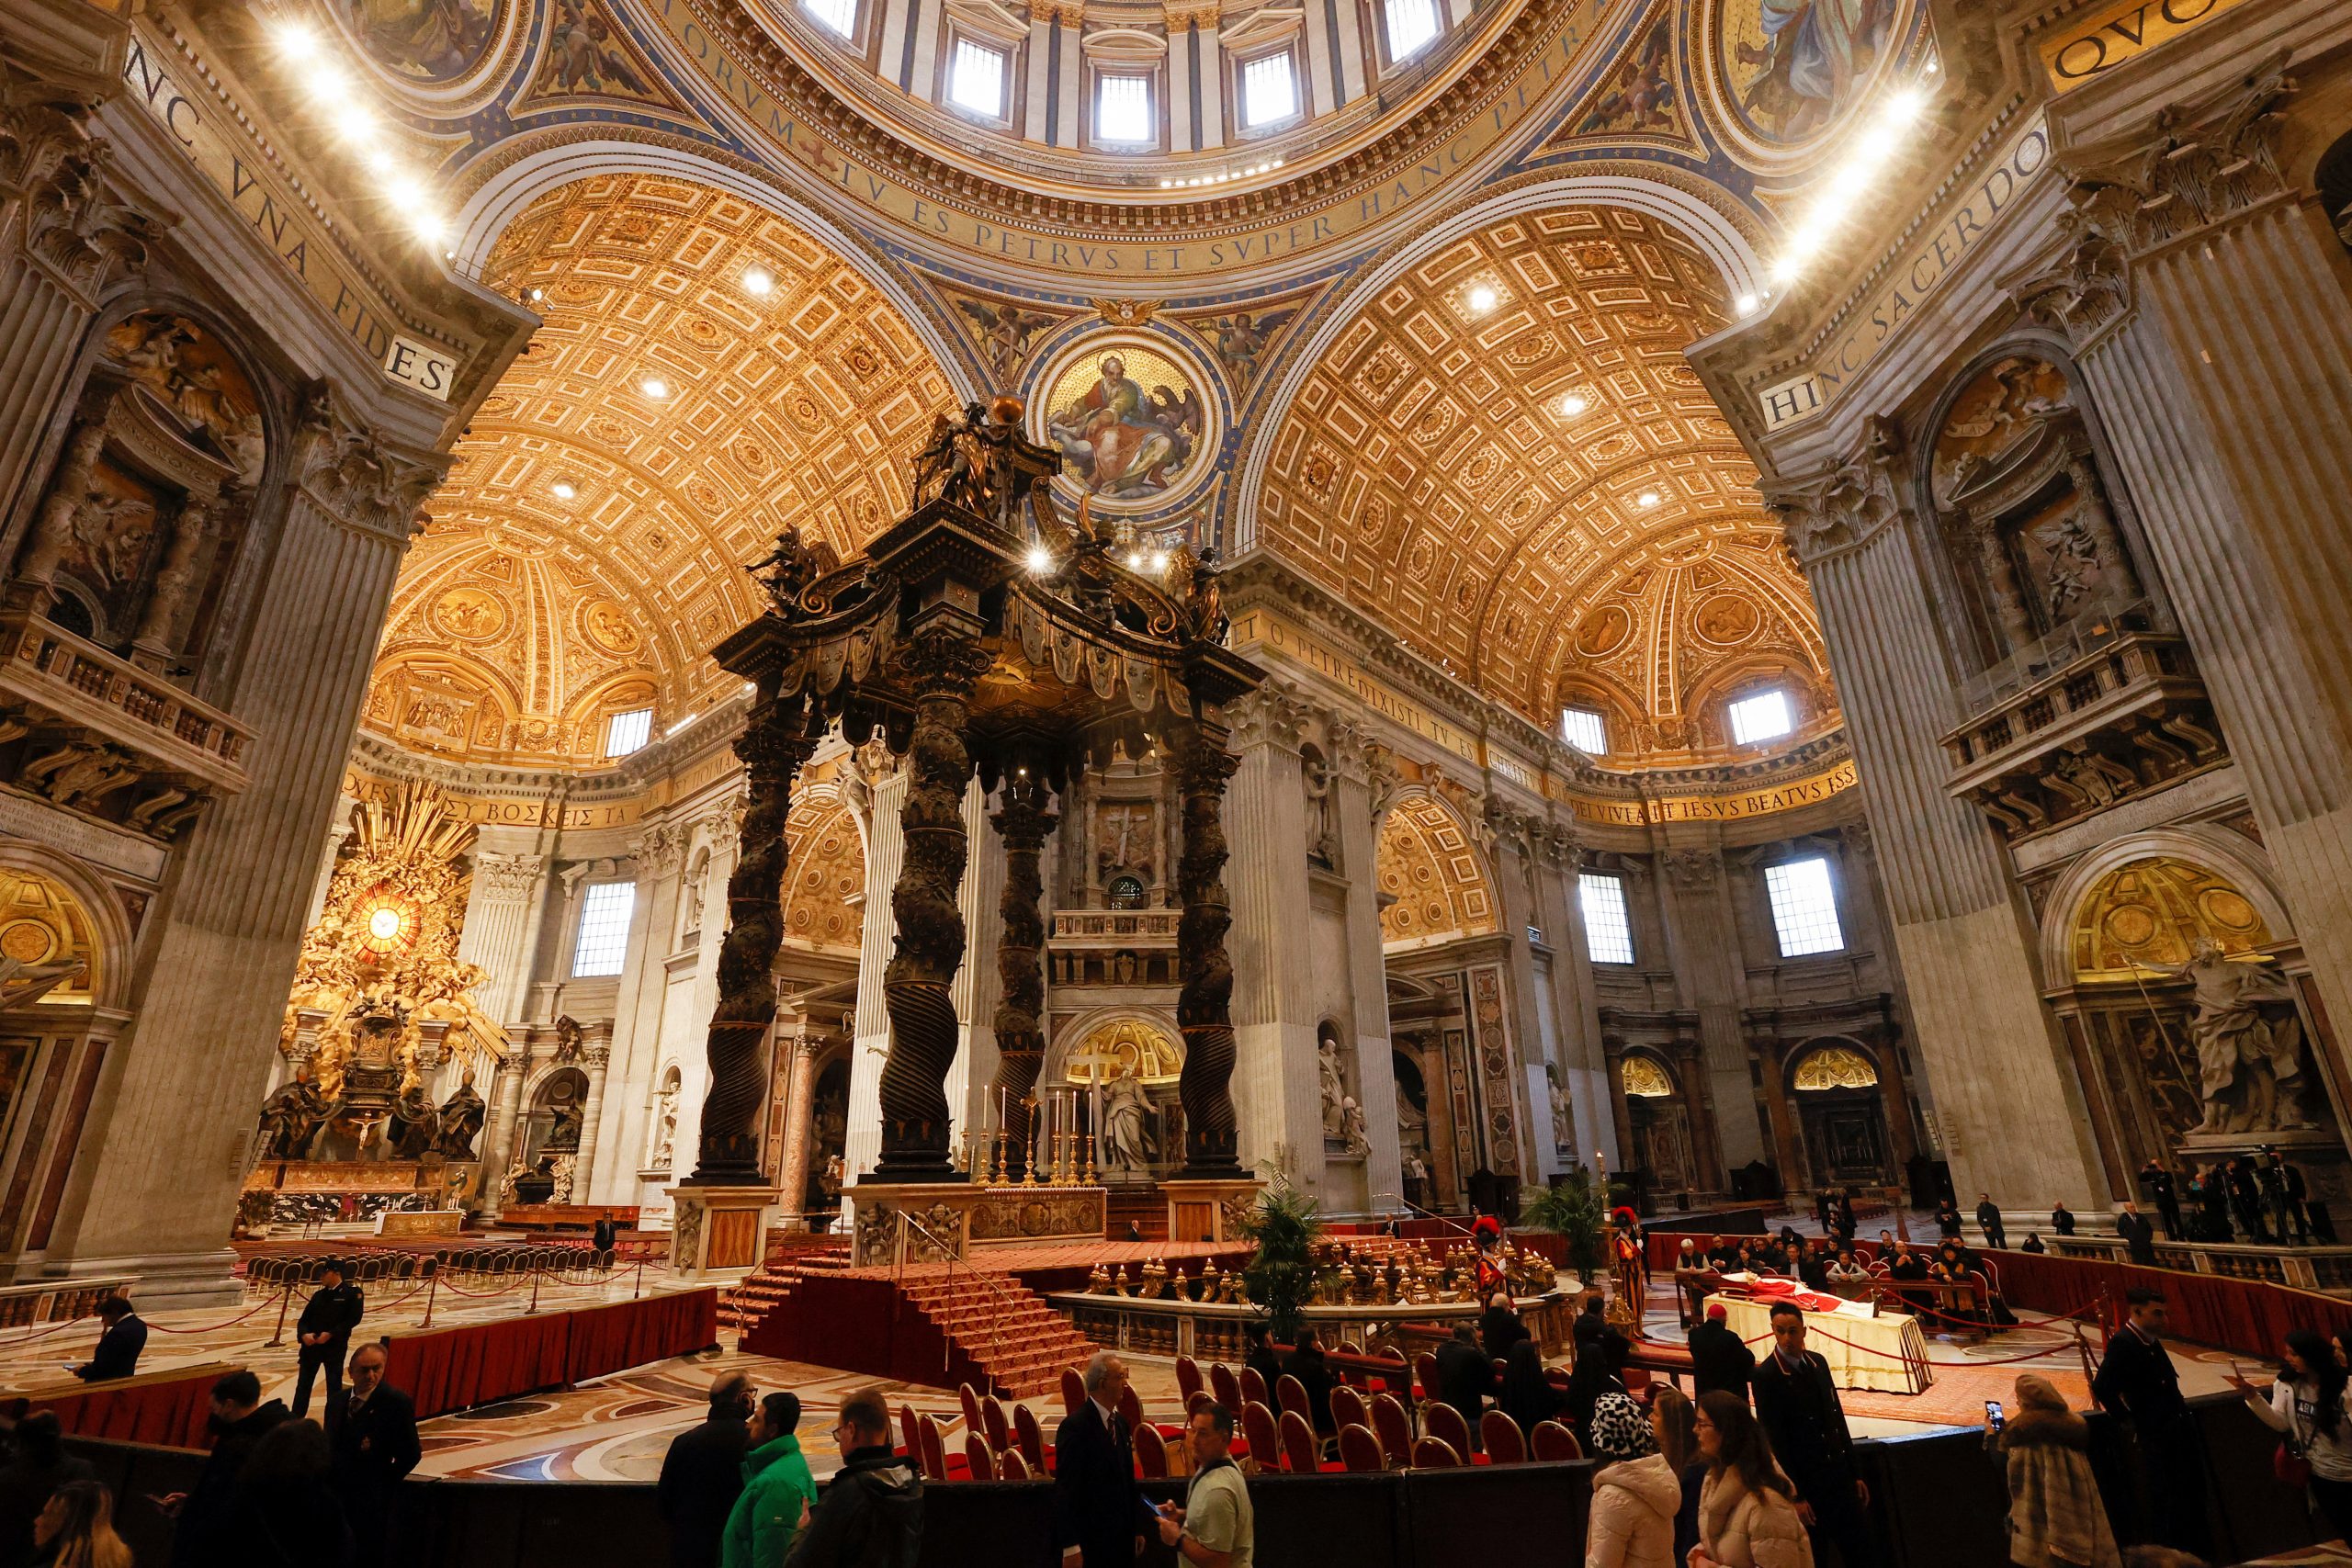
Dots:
{"x": 1465, "y": 1375}
{"x": 1718, "y": 1357}
{"x": 1797, "y": 1405}
{"x": 324, "y": 1333}
{"x": 2062, "y": 1218}
{"x": 703, "y": 1474}
{"x": 2139, "y": 1236}
{"x": 2156, "y": 1182}
{"x": 1099, "y": 1517}
{"x": 2138, "y": 1382}
{"x": 119, "y": 1346}
{"x": 375, "y": 1446}
{"x": 1988, "y": 1220}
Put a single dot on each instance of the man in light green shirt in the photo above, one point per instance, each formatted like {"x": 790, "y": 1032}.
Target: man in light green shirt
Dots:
{"x": 1216, "y": 1527}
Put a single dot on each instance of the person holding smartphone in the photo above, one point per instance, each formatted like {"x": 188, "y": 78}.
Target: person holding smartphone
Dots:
{"x": 2055, "y": 1514}
{"x": 2307, "y": 1407}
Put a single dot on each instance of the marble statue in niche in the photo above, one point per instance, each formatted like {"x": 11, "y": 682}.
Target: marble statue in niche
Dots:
{"x": 665, "y": 1125}
{"x": 2249, "y": 1044}
{"x": 1126, "y": 1125}
{"x": 1315, "y": 777}
{"x": 1333, "y": 1086}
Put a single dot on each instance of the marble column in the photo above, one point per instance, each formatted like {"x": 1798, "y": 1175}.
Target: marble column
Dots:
{"x": 1780, "y": 1112}
{"x": 63, "y": 245}
{"x": 1276, "y": 1085}
{"x": 1712, "y": 978}
{"x": 1203, "y": 1008}
{"x": 2013, "y": 1115}
{"x": 2207, "y": 300}
{"x": 1354, "y": 785}
{"x": 498, "y": 927}
{"x": 1023, "y": 820}
{"x": 648, "y": 1009}
{"x": 498, "y": 1138}
{"x": 775, "y": 745}
{"x": 1506, "y": 842}
{"x": 799, "y": 1123}
{"x": 596, "y": 1057}
{"x": 1706, "y": 1137}
{"x": 221, "y": 947}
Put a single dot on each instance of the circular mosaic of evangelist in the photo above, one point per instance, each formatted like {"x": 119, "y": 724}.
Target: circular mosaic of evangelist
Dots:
{"x": 1129, "y": 415}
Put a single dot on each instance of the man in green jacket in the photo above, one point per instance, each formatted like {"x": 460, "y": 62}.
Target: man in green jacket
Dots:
{"x": 776, "y": 1487}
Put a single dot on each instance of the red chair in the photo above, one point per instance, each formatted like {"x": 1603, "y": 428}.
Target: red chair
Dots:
{"x": 1425, "y": 1375}
{"x": 1225, "y": 1386}
{"x": 1290, "y": 1394}
{"x": 1435, "y": 1453}
{"x": 992, "y": 1422}
{"x": 1349, "y": 1347}
{"x": 1188, "y": 1378}
{"x": 1396, "y": 1432}
{"x": 1360, "y": 1449}
{"x": 1011, "y": 1466}
{"x": 1348, "y": 1406}
{"x": 1151, "y": 1454}
{"x": 1073, "y": 1391}
{"x": 1394, "y": 1380}
{"x": 1254, "y": 1390}
{"x": 936, "y": 1465}
{"x": 1029, "y": 1439}
{"x": 1499, "y": 1436}
{"x": 1265, "y": 1440}
{"x": 908, "y": 1437}
{"x": 1130, "y": 1406}
{"x": 1444, "y": 1422}
{"x": 1302, "y": 1455}
{"x": 969, "y": 1398}
{"x": 1555, "y": 1443}
{"x": 977, "y": 1459}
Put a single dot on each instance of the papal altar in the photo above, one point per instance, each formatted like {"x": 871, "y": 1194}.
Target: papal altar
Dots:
{"x": 1887, "y": 1353}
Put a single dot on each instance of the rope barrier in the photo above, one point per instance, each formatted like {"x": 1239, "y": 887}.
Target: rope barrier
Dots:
{"x": 261, "y": 1306}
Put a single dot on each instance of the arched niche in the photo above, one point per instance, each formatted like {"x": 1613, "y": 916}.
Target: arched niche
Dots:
{"x": 1116, "y": 1073}
{"x": 2038, "y": 547}
{"x": 1657, "y": 1123}
{"x": 1434, "y": 882}
{"x": 2180, "y": 984}
{"x": 1834, "y": 1087}
{"x": 558, "y": 1115}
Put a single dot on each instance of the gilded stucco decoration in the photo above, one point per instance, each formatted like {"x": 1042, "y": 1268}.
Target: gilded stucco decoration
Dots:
{"x": 1833, "y": 1067}
{"x": 45, "y": 933}
{"x": 587, "y": 546}
{"x": 1134, "y": 1048}
{"x": 383, "y": 957}
{"x": 499, "y": 651}
{"x": 2150, "y": 914}
{"x": 827, "y": 854}
{"x": 1482, "y": 481}
{"x": 1431, "y": 886}
{"x": 1644, "y": 1079}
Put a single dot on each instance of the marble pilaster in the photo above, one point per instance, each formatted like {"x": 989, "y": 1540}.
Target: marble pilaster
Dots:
{"x": 1703, "y": 943}
{"x": 1277, "y": 1093}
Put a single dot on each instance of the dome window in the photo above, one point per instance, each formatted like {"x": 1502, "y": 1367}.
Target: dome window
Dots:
{"x": 976, "y": 80}
{"x": 836, "y": 16}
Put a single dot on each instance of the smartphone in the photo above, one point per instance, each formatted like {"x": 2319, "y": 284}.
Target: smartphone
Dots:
{"x": 1993, "y": 1414}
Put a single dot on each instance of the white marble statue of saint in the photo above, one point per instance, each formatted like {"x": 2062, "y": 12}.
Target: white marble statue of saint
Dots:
{"x": 2233, "y": 1038}
{"x": 1127, "y": 1123}
{"x": 1334, "y": 1087}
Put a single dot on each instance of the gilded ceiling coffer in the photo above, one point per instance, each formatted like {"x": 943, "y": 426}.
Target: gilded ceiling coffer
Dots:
{"x": 982, "y": 635}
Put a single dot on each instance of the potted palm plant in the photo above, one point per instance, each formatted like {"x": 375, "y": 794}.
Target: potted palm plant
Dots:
{"x": 1283, "y": 1275}
{"x": 1575, "y": 1209}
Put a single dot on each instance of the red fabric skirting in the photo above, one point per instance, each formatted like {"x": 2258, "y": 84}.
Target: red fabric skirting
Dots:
{"x": 171, "y": 1412}
{"x": 2250, "y": 1316}
{"x": 457, "y": 1369}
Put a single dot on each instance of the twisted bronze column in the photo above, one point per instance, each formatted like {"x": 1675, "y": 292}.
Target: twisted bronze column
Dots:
{"x": 941, "y": 663}
{"x": 1202, "y": 1006}
{"x": 774, "y": 746}
{"x": 1022, "y": 821}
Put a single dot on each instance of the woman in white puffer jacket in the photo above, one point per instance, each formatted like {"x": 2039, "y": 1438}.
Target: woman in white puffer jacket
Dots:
{"x": 1634, "y": 1494}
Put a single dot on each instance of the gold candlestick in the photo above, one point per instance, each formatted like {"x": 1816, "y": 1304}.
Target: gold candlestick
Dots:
{"x": 1092, "y": 1174}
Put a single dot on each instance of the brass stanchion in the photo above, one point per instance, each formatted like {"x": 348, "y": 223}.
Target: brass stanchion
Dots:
{"x": 277, "y": 1335}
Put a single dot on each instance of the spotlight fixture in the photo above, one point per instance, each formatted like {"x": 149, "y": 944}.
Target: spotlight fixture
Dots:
{"x": 760, "y": 281}
{"x": 1159, "y": 560}
{"x": 1746, "y": 304}
{"x": 1134, "y": 561}
{"x": 298, "y": 42}
{"x": 654, "y": 387}
{"x": 1573, "y": 404}
{"x": 1647, "y": 498}
{"x": 1041, "y": 560}
{"x": 563, "y": 491}
{"x": 1482, "y": 300}
{"x": 353, "y": 122}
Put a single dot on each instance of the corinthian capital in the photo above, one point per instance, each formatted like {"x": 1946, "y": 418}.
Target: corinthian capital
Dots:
{"x": 1842, "y": 508}
{"x": 658, "y": 849}
{"x": 2191, "y": 166}
{"x": 350, "y": 473}
{"x": 1273, "y": 715}
{"x": 507, "y": 878}
{"x": 74, "y": 231}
